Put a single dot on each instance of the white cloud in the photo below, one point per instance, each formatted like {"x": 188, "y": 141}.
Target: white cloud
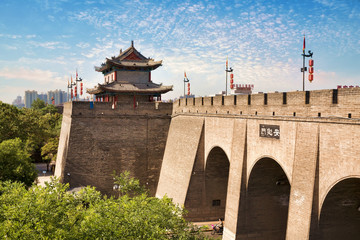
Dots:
{"x": 329, "y": 79}
{"x": 12, "y": 36}
{"x": 24, "y": 61}
{"x": 257, "y": 37}
{"x": 83, "y": 45}
{"x": 11, "y": 47}
{"x": 51, "y": 45}
{"x": 14, "y": 81}
{"x": 9, "y": 93}
{"x": 30, "y": 36}
{"x": 33, "y": 75}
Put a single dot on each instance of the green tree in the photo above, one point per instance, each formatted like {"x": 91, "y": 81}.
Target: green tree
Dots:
{"x": 127, "y": 185}
{"x": 39, "y": 128}
{"x": 38, "y": 104}
{"x": 33, "y": 132}
{"x": 49, "y": 150}
{"x": 15, "y": 163}
{"x": 43, "y": 107}
{"x": 52, "y": 212}
{"x": 10, "y": 122}
{"x": 49, "y": 109}
{"x": 39, "y": 213}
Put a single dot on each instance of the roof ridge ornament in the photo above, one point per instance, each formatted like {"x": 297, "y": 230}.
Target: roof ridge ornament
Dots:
{"x": 132, "y": 43}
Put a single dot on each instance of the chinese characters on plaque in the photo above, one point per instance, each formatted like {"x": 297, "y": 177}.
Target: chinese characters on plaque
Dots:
{"x": 270, "y": 131}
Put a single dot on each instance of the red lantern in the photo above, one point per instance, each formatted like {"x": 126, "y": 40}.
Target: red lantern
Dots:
{"x": 81, "y": 88}
{"x": 311, "y": 77}
{"x": 311, "y": 62}
{"x": 75, "y": 91}
{"x": 311, "y": 70}
{"x": 72, "y": 94}
{"x": 188, "y": 88}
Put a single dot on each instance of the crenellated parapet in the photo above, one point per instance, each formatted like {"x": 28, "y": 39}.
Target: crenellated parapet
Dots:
{"x": 108, "y": 109}
{"x": 332, "y": 103}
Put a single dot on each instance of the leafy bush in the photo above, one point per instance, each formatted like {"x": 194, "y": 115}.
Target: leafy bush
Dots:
{"x": 15, "y": 162}
{"x": 52, "y": 212}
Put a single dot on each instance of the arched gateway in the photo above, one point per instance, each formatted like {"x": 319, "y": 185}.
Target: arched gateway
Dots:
{"x": 340, "y": 213}
{"x": 267, "y": 201}
{"x": 211, "y": 202}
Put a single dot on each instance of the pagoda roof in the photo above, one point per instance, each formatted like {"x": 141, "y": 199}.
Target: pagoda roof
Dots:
{"x": 126, "y": 87}
{"x": 129, "y": 59}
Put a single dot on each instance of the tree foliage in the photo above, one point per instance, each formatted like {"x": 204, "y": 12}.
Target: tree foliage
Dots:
{"x": 54, "y": 213}
{"x": 10, "y": 123}
{"x": 38, "y": 128}
{"x": 125, "y": 184}
{"x": 15, "y": 164}
{"x": 49, "y": 150}
{"x": 38, "y": 104}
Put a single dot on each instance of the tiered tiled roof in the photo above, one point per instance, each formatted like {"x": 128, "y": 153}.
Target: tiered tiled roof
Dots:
{"x": 126, "y": 87}
{"x": 129, "y": 59}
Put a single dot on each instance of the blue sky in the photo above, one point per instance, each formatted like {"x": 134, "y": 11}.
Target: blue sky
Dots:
{"x": 43, "y": 42}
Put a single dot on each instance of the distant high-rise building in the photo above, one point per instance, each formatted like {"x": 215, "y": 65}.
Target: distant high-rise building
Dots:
{"x": 30, "y": 97}
{"x": 18, "y": 102}
{"x": 43, "y": 96}
{"x": 58, "y": 96}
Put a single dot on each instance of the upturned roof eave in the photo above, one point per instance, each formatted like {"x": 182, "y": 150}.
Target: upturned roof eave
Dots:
{"x": 129, "y": 64}
{"x": 103, "y": 88}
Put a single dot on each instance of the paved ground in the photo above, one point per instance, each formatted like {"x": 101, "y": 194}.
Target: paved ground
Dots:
{"x": 43, "y": 174}
{"x": 208, "y": 231}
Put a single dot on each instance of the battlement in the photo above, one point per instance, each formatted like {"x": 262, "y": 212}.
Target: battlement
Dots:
{"x": 92, "y": 109}
{"x": 343, "y": 103}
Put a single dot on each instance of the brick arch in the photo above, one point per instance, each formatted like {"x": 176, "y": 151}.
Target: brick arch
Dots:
{"x": 267, "y": 200}
{"x": 269, "y": 157}
{"x": 211, "y": 148}
{"x": 339, "y": 215}
{"x": 217, "y": 168}
{"x": 331, "y": 186}
{"x": 207, "y": 192}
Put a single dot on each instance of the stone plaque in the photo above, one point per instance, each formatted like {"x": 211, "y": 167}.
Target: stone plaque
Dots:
{"x": 270, "y": 131}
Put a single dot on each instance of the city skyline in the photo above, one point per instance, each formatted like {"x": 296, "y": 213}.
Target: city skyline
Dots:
{"x": 263, "y": 41}
{"x": 55, "y": 97}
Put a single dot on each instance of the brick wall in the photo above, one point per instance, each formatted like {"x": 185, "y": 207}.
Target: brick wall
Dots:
{"x": 317, "y": 150}
{"x": 95, "y": 142}
{"x": 324, "y": 102}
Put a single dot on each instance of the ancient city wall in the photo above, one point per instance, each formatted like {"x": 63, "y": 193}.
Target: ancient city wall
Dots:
{"x": 317, "y": 149}
{"x": 320, "y": 103}
{"x": 211, "y": 140}
{"x": 96, "y": 140}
